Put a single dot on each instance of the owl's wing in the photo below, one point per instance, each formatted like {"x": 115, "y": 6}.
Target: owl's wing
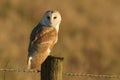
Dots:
{"x": 41, "y": 41}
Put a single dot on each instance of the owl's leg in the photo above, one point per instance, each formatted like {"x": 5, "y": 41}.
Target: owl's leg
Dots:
{"x": 29, "y": 63}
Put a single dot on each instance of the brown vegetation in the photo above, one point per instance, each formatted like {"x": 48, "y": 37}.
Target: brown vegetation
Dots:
{"x": 88, "y": 39}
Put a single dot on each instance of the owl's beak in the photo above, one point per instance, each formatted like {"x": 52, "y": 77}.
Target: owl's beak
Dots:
{"x": 50, "y": 22}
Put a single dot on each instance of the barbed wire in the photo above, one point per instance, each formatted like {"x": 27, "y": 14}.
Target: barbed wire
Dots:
{"x": 92, "y": 75}
{"x": 66, "y": 73}
{"x": 20, "y": 70}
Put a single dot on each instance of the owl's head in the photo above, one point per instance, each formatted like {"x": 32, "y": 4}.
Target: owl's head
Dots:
{"x": 51, "y": 18}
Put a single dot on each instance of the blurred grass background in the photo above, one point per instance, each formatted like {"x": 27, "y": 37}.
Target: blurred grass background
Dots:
{"x": 89, "y": 37}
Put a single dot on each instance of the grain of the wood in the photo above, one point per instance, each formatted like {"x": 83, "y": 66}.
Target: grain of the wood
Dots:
{"x": 51, "y": 69}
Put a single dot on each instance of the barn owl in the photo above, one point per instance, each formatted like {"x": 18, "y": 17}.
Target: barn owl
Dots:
{"x": 43, "y": 38}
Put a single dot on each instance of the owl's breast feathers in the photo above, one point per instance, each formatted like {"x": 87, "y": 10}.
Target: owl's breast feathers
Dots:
{"x": 41, "y": 42}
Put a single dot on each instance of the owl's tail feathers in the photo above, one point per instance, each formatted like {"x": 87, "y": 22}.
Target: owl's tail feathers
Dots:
{"x": 29, "y": 63}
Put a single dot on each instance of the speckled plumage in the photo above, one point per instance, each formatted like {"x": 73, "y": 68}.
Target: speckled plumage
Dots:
{"x": 42, "y": 39}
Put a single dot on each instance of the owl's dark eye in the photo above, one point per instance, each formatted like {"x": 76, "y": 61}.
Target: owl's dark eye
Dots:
{"x": 48, "y": 17}
{"x": 54, "y": 17}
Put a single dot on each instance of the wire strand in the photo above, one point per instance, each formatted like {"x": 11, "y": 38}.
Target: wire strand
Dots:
{"x": 91, "y": 75}
{"x": 66, "y": 73}
{"x": 20, "y": 70}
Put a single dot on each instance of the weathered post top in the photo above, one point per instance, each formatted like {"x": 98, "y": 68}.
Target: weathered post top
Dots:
{"x": 51, "y": 69}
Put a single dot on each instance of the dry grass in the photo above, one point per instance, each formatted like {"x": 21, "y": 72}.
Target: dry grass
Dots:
{"x": 88, "y": 39}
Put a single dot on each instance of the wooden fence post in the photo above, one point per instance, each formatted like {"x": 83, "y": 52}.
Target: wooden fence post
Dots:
{"x": 51, "y": 69}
